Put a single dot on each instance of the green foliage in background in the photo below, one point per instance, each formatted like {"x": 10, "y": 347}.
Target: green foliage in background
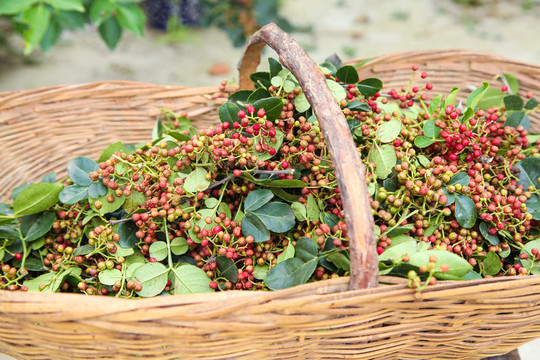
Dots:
{"x": 41, "y": 22}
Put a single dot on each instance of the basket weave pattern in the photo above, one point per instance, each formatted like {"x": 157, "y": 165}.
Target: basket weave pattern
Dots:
{"x": 44, "y": 128}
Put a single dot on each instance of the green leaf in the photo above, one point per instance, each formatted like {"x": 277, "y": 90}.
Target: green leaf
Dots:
{"x": 370, "y": 86}
{"x": 423, "y": 141}
{"x": 513, "y": 102}
{"x": 13, "y": 7}
{"x": 513, "y": 82}
{"x": 484, "y": 230}
{"x": 127, "y": 231}
{"x": 299, "y": 210}
{"x": 465, "y": 211}
{"x": 277, "y": 81}
{"x": 457, "y": 266}
{"x": 472, "y": 275}
{"x": 79, "y": 170}
{"x": 424, "y": 161}
{"x": 15, "y": 192}
{"x": 276, "y": 216}
{"x": 70, "y": 19}
{"x": 492, "y": 97}
{"x": 110, "y": 150}
{"x": 330, "y": 219}
{"x": 272, "y": 106}
{"x": 179, "y": 246}
{"x": 132, "y": 18}
{"x": 152, "y": 277}
{"x": 228, "y": 113}
{"x": 97, "y": 189}
{"x": 396, "y": 252}
{"x": 451, "y": 98}
{"x": 6, "y": 219}
{"x": 313, "y": 211}
{"x": 32, "y": 263}
{"x": 467, "y": 115}
{"x": 282, "y": 194}
{"x": 259, "y": 94}
{"x": 288, "y": 253}
{"x": 36, "y": 225}
{"x": 529, "y": 172}
{"x": 101, "y": 10}
{"x": 83, "y": 250}
{"x": 110, "y": 31}
{"x": 134, "y": 201}
{"x": 257, "y": 198}
{"x": 37, "y": 18}
{"x": 340, "y": 260}
{"x": 306, "y": 249}
{"x": 385, "y": 159}
{"x": 301, "y": 103}
{"x": 260, "y": 271}
{"x": 196, "y": 181}
{"x": 189, "y": 279}
{"x": 260, "y": 78}
{"x": 51, "y": 36}
{"x": 531, "y": 104}
{"x": 158, "y": 250}
{"x": 388, "y": 131}
{"x": 430, "y": 129}
{"x": 275, "y": 67}
{"x": 477, "y": 95}
{"x": 460, "y": 178}
{"x": 252, "y": 225}
{"x": 227, "y": 268}
{"x": 73, "y": 194}
{"x": 434, "y": 104}
{"x": 359, "y": 106}
{"x": 107, "y": 207}
{"x": 109, "y": 276}
{"x": 492, "y": 264}
{"x": 277, "y": 145}
{"x": 347, "y": 74}
{"x": 157, "y": 130}
{"x": 240, "y": 96}
{"x": 290, "y": 272}
{"x": 49, "y": 178}
{"x": 74, "y": 5}
{"x": 337, "y": 90}
{"x": 518, "y": 118}
{"x": 36, "y": 198}
{"x": 51, "y": 280}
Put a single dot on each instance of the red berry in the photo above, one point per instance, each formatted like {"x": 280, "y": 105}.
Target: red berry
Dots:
{"x": 261, "y": 113}
{"x": 241, "y": 114}
{"x": 17, "y": 256}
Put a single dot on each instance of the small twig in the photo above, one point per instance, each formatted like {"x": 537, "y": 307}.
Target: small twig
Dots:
{"x": 273, "y": 172}
{"x": 114, "y": 222}
{"x": 254, "y": 172}
{"x": 221, "y": 182}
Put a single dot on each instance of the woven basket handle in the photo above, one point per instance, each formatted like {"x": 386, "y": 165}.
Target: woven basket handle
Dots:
{"x": 350, "y": 171}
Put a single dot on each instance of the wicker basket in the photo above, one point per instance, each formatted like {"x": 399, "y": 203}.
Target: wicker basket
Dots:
{"x": 42, "y": 129}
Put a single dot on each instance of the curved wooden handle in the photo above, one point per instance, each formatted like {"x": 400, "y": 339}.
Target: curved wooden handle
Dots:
{"x": 350, "y": 171}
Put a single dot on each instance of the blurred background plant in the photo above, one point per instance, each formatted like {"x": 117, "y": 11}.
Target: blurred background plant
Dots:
{"x": 41, "y": 22}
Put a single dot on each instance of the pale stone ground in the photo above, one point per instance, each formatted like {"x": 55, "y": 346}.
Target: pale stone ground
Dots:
{"x": 350, "y": 28}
